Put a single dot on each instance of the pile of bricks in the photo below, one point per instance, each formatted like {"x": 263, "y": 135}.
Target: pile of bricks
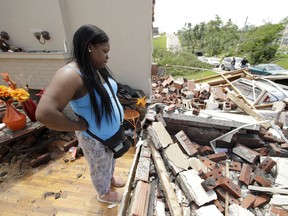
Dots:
{"x": 208, "y": 179}
{"x": 177, "y": 175}
{"x": 242, "y": 178}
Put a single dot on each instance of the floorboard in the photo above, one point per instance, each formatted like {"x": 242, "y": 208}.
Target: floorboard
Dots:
{"x": 23, "y": 193}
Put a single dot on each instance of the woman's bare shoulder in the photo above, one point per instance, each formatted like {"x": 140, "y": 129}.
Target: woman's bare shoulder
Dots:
{"x": 67, "y": 73}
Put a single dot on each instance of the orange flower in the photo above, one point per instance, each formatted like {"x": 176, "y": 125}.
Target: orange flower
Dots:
{"x": 5, "y": 93}
{"x": 141, "y": 102}
{"x": 20, "y": 94}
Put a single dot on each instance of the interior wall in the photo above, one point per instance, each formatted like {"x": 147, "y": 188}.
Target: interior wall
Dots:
{"x": 128, "y": 24}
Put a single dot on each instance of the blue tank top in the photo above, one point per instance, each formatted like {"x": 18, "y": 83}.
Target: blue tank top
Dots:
{"x": 83, "y": 107}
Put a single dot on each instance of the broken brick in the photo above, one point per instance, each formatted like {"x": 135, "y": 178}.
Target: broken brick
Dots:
{"x": 248, "y": 201}
{"x": 245, "y": 174}
{"x": 267, "y": 164}
{"x": 261, "y": 200}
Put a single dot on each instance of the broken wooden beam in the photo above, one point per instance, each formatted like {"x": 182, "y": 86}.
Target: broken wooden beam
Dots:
{"x": 169, "y": 192}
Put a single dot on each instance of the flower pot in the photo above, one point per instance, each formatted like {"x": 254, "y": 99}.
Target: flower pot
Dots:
{"x": 29, "y": 107}
{"x": 14, "y": 119}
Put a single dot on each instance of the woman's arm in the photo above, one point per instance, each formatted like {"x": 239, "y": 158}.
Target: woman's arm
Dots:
{"x": 62, "y": 88}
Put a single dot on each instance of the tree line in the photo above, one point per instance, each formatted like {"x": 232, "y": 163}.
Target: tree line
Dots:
{"x": 214, "y": 38}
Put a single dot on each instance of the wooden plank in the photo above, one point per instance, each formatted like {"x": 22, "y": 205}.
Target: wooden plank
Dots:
{"x": 238, "y": 92}
{"x": 126, "y": 194}
{"x": 140, "y": 200}
{"x": 22, "y": 194}
{"x": 152, "y": 197}
{"x": 248, "y": 110}
{"x": 268, "y": 189}
{"x": 169, "y": 192}
{"x": 246, "y": 153}
{"x": 224, "y": 81}
{"x": 219, "y": 75}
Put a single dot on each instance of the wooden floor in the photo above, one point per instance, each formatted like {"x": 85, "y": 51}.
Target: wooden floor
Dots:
{"x": 23, "y": 194}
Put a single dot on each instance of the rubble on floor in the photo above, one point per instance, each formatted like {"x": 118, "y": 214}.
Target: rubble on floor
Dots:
{"x": 177, "y": 176}
{"x": 209, "y": 151}
{"x": 34, "y": 147}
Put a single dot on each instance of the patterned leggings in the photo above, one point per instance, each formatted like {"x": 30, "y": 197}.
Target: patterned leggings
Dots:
{"x": 100, "y": 160}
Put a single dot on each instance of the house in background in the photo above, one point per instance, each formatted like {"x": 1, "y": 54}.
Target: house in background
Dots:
{"x": 127, "y": 23}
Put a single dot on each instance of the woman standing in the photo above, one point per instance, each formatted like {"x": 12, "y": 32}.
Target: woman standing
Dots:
{"x": 87, "y": 84}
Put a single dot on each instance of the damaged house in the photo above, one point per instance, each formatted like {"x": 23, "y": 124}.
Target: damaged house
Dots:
{"x": 213, "y": 146}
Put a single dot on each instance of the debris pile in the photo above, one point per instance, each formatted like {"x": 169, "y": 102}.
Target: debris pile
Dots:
{"x": 185, "y": 178}
{"x": 209, "y": 151}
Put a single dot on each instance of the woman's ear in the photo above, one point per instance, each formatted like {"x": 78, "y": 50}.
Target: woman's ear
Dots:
{"x": 89, "y": 47}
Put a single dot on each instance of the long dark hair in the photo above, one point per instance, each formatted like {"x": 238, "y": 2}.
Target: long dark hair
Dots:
{"x": 83, "y": 37}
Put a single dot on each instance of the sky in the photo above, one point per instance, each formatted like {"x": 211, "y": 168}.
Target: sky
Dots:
{"x": 171, "y": 15}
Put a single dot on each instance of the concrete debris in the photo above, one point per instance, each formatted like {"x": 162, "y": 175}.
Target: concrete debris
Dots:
{"x": 243, "y": 168}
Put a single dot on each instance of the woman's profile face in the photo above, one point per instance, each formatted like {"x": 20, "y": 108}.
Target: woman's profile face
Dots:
{"x": 99, "y": 55}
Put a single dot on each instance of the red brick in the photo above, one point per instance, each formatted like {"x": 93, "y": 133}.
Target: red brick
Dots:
{"x": 235, "y": 166}
{"x": 245, "y": 174}
{"x": 218, "y": 156}
{"x": 267, "y": 164}
{"x": 229, "y": 186}
{"x": 278, "y": 211}
{"x": 218, "y": 205}
{"x": 261, "y": 180}
{"x": 261, "y": 200}
{"x": 210, "y": 164}
{"x": 248, "y": 201}
{"x": 221, "y": 195}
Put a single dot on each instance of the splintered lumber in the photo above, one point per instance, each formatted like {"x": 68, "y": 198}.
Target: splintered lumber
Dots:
{"x": 246, "y": 153}
{"x": 152, "y": 197}
{"x": 268, "y": 189}
{"x": 126, "y": 194}
{"x": 248, "y": 110}
{"x": 169, "y": 192}
{"x": 190, "y": 184}
{"x": 224, "y": 82}
{"x": 238, "y": 92}
{"x": 229, "y": 73}
{"x": 42, "y": 159}
{"x": 140, "y": 199}
{"x": 160, "y": 135}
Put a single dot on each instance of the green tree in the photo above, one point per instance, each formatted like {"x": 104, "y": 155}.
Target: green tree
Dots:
{"x": 261, "y": 43}
{"x": 230, "y": 38}
{"x": 213, "y": 36}
{"x": 187, "y": 37}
